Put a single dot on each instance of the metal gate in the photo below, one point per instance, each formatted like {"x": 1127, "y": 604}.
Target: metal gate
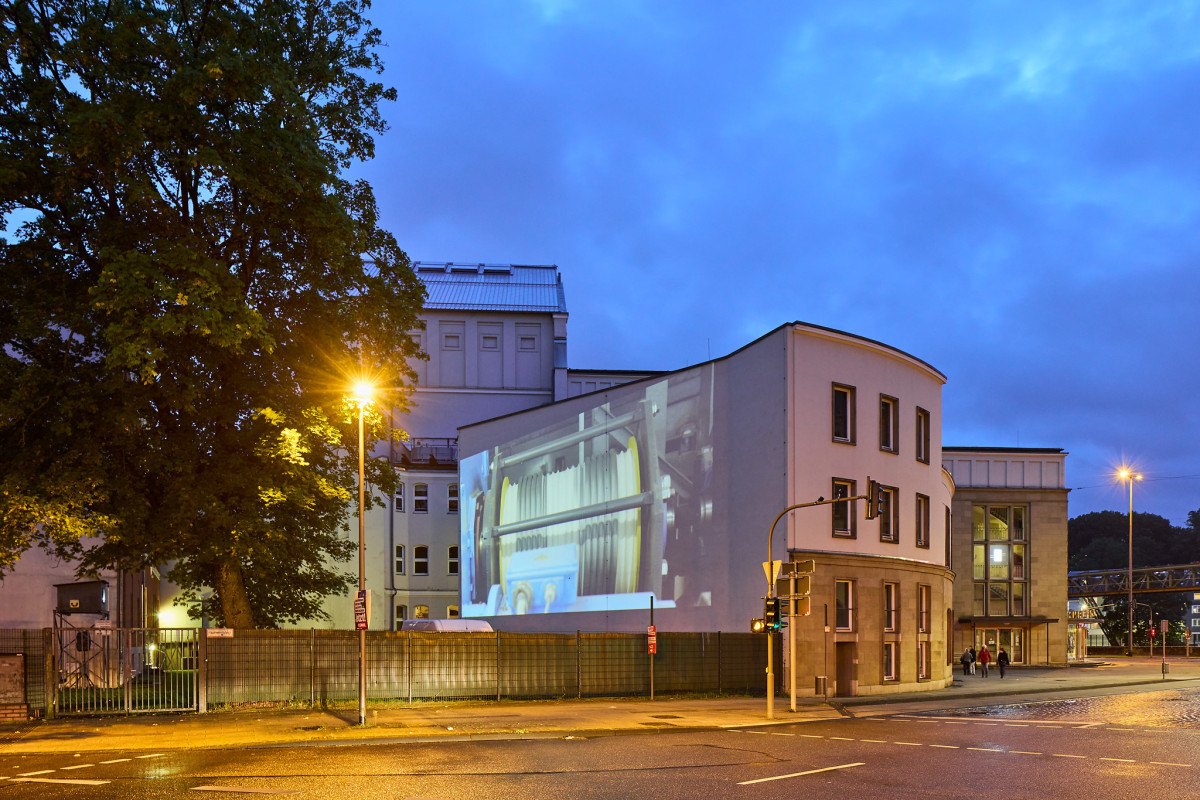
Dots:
{"x": 105, "y": 670}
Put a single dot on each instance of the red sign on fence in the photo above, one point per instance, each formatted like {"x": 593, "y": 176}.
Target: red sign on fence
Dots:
{"x": 651, "y": 639}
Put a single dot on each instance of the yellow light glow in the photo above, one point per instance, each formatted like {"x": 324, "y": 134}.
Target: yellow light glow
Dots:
{"x": 1126, "y": 474}
{"x": 363, "y": 393}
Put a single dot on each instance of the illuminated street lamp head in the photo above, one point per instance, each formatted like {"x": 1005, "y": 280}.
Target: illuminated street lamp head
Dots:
{"x": 1126, "y": 474}
{"x": 363, "y": 393}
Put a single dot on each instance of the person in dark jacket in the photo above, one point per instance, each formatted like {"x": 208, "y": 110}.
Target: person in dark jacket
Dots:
{"x": 985, "y": 658}
{"x": 966, "y": 659}
{"x": 1002, "y": 661}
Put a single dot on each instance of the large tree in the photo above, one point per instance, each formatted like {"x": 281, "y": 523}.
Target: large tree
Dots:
{"x": 188, "y": 288}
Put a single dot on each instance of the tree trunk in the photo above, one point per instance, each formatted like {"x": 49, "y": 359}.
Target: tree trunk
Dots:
{"x": 231, "y": 589}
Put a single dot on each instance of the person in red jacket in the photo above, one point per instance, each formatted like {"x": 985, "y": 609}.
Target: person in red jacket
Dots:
{"x": 985, "y": 658}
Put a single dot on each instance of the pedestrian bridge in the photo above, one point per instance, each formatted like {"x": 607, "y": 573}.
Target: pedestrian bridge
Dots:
{"x": 1098, "y": 583}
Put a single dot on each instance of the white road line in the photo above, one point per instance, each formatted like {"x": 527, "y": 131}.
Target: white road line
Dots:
{"x": 800, "y": 774}
{"x": 1169, "y": 764}
{"x": 1015, "y": 725}
{"x": 152, "y": 755}
{"x": 1025, "y": 752}
{"x": 840, "y": 739}
{"x": 874, "y": 741}
{"x": 782, "y": 734}
{"x": 760, "y": 733}
{"x": 911, "y": 744}
{"x": 39, "y": 772}
{"x": 811, "y": 736}
{"x": 116, "y": 761}
{"x": 1127, "y": 730}
{"x": 60, "y": 781}
{"x": 1126, "y": 760}
{"x": 945, "y": 746}
{"x": 79, "y": 766}
{"x": 1066, "y": 755}
{"x": 987, "y": 749}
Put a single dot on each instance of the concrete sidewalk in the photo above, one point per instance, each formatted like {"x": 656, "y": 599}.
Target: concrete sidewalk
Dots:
{"x": 440, "y": 721}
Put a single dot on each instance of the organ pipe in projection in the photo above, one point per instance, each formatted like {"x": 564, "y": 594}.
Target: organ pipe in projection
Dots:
{"x": 598, "y": 510}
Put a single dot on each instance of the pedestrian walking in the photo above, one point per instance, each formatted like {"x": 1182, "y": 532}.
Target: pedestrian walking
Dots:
{"x": 966, "y": 659}
{"x": 974, "y": 657}
{"x": 1002, "y": 661}
{"x": 985, "y": 658}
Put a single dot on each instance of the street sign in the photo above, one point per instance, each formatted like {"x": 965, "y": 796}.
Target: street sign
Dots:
{"x": 651, "y": 639}
{"x": 219, "y": 633}
{"x": 771, "y": 568}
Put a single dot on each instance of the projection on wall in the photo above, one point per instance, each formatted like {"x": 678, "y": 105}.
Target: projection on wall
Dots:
{"x": 600, "y": 509}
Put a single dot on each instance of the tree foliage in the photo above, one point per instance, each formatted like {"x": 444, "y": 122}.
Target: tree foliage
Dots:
{"x": 185, "y": 299}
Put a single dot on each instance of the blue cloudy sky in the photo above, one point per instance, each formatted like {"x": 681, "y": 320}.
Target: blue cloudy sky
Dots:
{"x": 1009, "y": 191}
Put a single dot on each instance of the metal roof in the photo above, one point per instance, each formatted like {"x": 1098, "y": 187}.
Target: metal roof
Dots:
{"x": 492, "y": 287}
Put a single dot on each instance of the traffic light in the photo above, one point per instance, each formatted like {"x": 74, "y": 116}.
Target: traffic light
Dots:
{"x": 1153, "y": 631}
{"x": 772, "y": 619}
{"x": 875, "y": 499}
{"x": 757, "y": 625}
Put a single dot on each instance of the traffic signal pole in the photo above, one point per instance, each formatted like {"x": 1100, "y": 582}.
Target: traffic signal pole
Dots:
{"x": 771, "y": 568}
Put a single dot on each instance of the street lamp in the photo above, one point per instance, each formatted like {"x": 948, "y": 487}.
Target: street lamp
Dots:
{"x": 1127, "y": 474}
{"x": 362, "y": 396}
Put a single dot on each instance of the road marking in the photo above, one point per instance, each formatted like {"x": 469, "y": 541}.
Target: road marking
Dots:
{"x": 1025, "y": 752}
{"x": 152, "y": 755}
{"x": 874, "y": 741}
{"x": 1126, "y": 760}
{"x": 800, "y": 774}
{"x": 1015, "y": 725}
{"x": 760, "y": 733}
{"x": 945, "y": 746}
{"x": 911, "y": 744}
{"x": 783, "y": 734}
{"x": 811, "y": 736}
{"x": 1066, "y": 755}
{"x": 59, "y": 781}
{"x": 1169, "y": 764}
{"x": 987, "y": 749}
{"x": 39, "y": 772}
{"x": 79, "y": 766}
{"x": 840, "y": 739}
{"x": 1121, "y": 729}
{"x": 116, "y": 761}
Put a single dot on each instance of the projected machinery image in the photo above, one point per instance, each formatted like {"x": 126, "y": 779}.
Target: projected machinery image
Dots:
{"x": 600, "y": 511}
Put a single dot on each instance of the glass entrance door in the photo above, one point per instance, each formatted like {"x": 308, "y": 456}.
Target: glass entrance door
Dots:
{"x": 1010, "y": 639}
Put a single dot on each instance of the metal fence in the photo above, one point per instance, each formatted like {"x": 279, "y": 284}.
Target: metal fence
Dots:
{"x": 113, "y": 670}
{"x": 322, "y": 666}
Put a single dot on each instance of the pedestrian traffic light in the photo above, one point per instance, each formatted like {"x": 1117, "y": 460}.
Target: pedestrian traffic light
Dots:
{"x": 772, "y": 619}
{"x": 1153, "y": 631}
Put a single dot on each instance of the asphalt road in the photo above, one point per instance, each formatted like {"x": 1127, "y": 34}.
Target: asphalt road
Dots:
{"x": 1135, "y": 744}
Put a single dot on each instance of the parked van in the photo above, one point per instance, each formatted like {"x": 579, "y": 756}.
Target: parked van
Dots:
{"x": 446, "y": 625}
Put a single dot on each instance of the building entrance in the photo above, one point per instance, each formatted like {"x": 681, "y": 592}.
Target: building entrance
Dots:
{"x": 1010, "y": 639}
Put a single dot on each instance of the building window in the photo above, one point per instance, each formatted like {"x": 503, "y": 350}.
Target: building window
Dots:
{"x": 891, "y": 607}
{"x": 401, "y": 615}
{"x": 922, "y": 521}
{"x": 843, "y": 592}
{"x": 399, "y": 559}
{"x": 949, "y": 538}
{"x": 452, "y": 499}
{"x": 400, "y": 497}
{"x": 420, "y": 560}
{"x": 420, "y": 612}
{"x": 999, "y": 560}
{"x": 924, "y": 612}
{"x": 889, "y": 524}
{"x": 452, "y": 612}
{"x": 420, "y": 498}
{"x": 843, "y": 413}
{"x": 891, "y": 667}
{"x": 923, "y": 660}
{"x": 922, "y": 435}
{"x": 889, "y": 420}
{"x": 452, "y": 560}
{"x": 843, "y": 513}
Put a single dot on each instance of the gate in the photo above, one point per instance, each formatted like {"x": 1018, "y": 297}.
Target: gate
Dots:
{"x": 105, "y": 670}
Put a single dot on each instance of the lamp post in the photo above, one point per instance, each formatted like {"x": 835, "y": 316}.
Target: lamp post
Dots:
{"x": 362, "y": 396}
{"x": 1129, "y": 475}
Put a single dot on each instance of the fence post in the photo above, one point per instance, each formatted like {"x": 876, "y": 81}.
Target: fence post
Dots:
{"x": 49, "y": 678}
{"x": 578, "y": 668}
{"x": 312, "y": 667}
{"x": 497, "y": 666}
{"x": 720, "y": 660}
{"x": 408, "y": 669}
{"x": 202, "y": 671}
